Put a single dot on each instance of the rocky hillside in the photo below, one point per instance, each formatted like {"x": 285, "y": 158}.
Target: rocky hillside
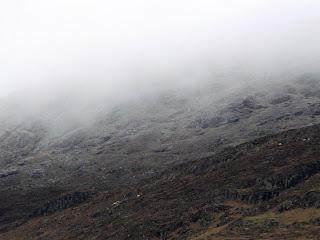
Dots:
{"x": 132, "y": 141}
{"x": 263, "y": 189}
{"x": 172, "y": 166}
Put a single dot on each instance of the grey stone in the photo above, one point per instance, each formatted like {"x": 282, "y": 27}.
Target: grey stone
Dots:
{"x": 37, "y": 173}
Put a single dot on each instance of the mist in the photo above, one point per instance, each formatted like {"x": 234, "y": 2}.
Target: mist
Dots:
{"x": 87, "y": 56}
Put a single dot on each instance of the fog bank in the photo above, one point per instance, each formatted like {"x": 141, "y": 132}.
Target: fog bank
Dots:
{"x": 73, "y": 55}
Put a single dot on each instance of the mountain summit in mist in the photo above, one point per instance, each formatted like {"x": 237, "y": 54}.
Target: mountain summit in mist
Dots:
{"x": 159, "y": 120}
{"x": 172, "y": 155}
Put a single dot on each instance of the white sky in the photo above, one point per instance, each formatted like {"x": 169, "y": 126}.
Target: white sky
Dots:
{"x": 44, "y": 41}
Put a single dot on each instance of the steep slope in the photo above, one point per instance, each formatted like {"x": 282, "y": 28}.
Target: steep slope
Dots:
{"x": 133, "y": 141}
{"x": 169, "y": 166}
{"x": 267, "y": 188}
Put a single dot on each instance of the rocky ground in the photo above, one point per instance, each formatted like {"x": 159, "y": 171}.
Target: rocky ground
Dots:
{"x": 198, "y": 166}
{"x": 264, "y": 189}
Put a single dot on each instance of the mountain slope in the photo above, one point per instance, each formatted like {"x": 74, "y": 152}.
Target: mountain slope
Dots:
{"x": 255, "y": 189}
{"x": 135, "y": 140}
{"x": 171, "y": 167}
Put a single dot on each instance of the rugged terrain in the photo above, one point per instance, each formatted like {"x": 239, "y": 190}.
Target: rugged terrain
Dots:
{"x": 207, "y": 165}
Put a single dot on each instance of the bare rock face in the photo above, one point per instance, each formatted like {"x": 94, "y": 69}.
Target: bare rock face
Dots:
{"x": 205, "y": 122}
{"x": 9, "y": 172}
{"x": 73, "y": 138}
{"x": 249, "y": 102}
{"x": 37, "y": 173}
{"x": 281, "y": 99}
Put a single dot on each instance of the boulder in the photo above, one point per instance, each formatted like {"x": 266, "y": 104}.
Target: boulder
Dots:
{"x": 37, "y": 173}
{"x": 281, "y": 99}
